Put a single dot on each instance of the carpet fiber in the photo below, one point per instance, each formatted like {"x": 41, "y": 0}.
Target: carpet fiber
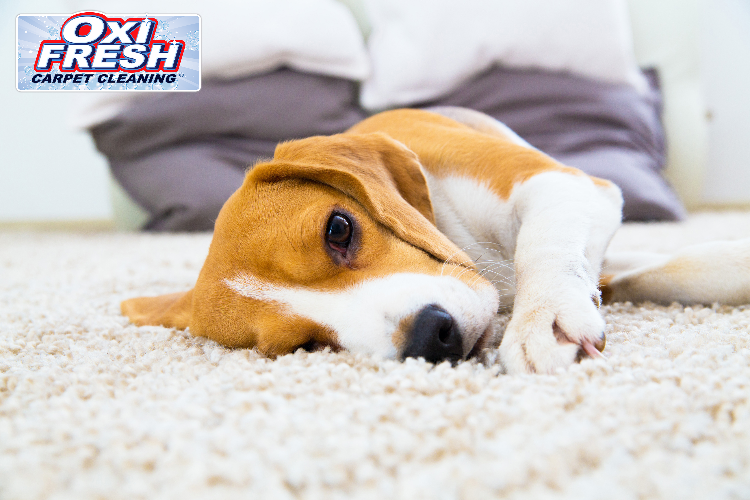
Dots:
{"x": 93, "y": 407}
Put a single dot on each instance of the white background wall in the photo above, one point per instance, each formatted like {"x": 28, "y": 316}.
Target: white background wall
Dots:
{"x": 725, "y": 71}
{"x": 49, "y": 172}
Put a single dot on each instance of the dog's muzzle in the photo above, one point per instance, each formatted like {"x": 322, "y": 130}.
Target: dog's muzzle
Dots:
{"x": 434, "y": 336}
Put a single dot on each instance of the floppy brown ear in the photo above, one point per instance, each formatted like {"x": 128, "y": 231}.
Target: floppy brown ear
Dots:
{"x": 174, "y": 310}
{"x": 375, "y": 159}
{"x": 380, "y": 173}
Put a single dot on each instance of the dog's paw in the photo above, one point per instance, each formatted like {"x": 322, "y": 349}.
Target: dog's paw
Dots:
{"x": 552, "y": 336}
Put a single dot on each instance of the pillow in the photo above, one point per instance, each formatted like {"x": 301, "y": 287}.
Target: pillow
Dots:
{"x": 255, "y": 36}
{"x": 421, "y": 49}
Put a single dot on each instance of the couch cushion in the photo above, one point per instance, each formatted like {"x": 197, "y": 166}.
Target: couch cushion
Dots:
{"x": 421, "y": 49}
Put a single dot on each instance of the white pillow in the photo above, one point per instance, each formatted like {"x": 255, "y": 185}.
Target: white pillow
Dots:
{"x": 243, "y": 37}
{"x": 422, "y": 49}
{"x": 318, "y": 36}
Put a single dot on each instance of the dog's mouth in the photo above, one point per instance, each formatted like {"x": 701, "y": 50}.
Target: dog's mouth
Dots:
{"x": 482, "y": 342}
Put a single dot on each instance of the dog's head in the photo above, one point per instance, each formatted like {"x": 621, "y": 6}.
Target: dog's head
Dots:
{"x": 333, "y": 243}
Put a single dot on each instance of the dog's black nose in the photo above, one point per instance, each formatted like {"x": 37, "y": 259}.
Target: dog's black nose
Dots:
{"x": 434, "y": 336}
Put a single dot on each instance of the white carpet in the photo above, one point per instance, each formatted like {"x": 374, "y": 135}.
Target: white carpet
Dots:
{"x": 92, "y": 407}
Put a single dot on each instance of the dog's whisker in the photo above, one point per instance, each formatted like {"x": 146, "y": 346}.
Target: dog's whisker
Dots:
{"x": 484, "y": 245}
{"x": 505, "y": 262}
{"x": 503, "y": 290}
{"x": 463, "y": 271}
{"x": 492, "y": 266}
{"x": 493, "y": 272}
{"x": 498, "y": 261}
{"x": 491, "y": 275}
{"x": 497, "y": 278}
{"x": 491, "y": 269}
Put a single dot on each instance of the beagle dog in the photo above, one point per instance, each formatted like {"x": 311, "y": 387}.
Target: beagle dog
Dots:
{"x": 404, "y": 237}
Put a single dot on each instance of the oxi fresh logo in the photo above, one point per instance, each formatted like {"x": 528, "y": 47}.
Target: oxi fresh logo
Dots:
{"x": 93, "y": 42}
{"x": 92, "y": 51}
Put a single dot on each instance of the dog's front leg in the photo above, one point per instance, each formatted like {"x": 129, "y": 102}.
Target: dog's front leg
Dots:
{"x": 565, "y": 222}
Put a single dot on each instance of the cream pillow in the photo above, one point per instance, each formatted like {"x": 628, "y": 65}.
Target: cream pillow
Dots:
{"x": 421, "y": 49}
{"x": 244, "y": 37}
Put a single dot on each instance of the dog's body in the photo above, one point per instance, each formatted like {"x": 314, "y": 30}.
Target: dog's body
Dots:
{"x": 388, "y": 239}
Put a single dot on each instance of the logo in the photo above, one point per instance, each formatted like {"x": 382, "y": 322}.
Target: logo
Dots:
{"x": 93, "y": 51}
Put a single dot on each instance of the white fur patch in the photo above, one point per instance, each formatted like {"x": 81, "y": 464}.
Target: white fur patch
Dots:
{"x": 481, "y": 224}
{"x": 543, "y": 248}
{"x": 366, "y": 315}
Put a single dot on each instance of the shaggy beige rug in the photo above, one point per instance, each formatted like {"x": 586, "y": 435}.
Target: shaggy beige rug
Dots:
{"x": 93, "y": 407}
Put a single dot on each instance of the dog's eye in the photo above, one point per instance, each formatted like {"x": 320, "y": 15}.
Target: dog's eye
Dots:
{"x": 339, "y": 232}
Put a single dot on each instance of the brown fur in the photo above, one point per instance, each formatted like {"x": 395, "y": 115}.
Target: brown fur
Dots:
{"x": 605, "y": 289}
{"x": 446, "y": 147}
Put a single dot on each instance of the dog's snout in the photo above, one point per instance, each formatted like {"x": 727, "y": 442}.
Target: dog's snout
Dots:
{"x": 434, "y": 336}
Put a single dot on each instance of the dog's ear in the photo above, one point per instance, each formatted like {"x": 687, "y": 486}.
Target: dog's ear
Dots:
{"x": 173, "y": 310}
{"x": 380, "y": 173}
{"x": 374, "y": 160}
